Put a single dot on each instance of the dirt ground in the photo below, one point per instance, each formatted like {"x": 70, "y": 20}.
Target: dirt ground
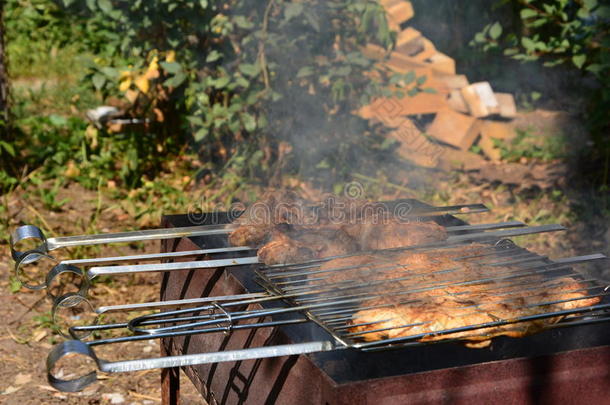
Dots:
{"x": 26, "y": 338}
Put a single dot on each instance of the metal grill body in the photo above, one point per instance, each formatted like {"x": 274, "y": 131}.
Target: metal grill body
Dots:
{"x": 528, "y": 369}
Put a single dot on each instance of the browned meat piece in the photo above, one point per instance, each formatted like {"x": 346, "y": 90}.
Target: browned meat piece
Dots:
{"x": 259, "y": 219}
{"x": 282, "y": 249}
{"x": 249, "y": 235}
{"x": 327, "y": 242}
{"x": 291, "y": 246}
{"x": 412, "y": 268}
{"x": 387, "y": 234}
{"x": 334, "y": 226}
{"x": 440, "y": 300}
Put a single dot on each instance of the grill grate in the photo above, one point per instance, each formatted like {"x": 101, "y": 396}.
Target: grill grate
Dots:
{"x": 332, "y": 295}
{"x": 507, "y": 274}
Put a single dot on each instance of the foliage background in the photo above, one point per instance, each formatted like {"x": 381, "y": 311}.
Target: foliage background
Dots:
{"x": 252, "y": 91}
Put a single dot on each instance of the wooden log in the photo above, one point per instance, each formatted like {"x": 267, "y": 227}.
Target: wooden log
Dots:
{"x": 402, "y": 63}
{"x": 454, "y": 128}
{"x": 389, "y": 3}
{"x": 414, "y": 146}
{"x": 385, "y": 110}
{"x": 488, "y": 146}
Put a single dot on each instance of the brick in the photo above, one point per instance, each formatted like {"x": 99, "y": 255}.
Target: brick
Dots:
{"x": 389, "y": 3}
{"x": 498, "y": 130}
{"x": 442, "y": 63}
{"x": 415, "y": 147}
{"x": 456, "y": 102}
{"x": 507, "y": 107}
{"x": 400, "y": 12}
{"x": 427, "y": 51}
{"x": 390, "y": 111}
{"x": 454, "y": 82}
{"x": 488, "y": 147}
{"x": 454, "y": 128}
{"x": 480, "y": 99}
{"x": 409, "y": 42}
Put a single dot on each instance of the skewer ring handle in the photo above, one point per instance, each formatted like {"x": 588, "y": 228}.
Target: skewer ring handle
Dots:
{"x": 61, "y": 268}
{"x": 27, "y": 232}
{"x": 67, "y": 301}
{"x": 64, "y": 349}
{"x": 29, "y": 257}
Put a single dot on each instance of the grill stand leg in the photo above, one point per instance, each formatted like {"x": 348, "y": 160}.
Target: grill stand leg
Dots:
{"x": 170, "y": 380}
{"x": 170, "y": 377}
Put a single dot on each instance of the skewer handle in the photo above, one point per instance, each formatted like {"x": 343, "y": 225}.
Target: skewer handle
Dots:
{"x": 77, "y": 347}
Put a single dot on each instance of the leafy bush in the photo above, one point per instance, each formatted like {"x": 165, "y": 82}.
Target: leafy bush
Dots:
{"x": 564, "y": 32}
{"x": 207, "y": 74}
{"x": 216, "y": 73}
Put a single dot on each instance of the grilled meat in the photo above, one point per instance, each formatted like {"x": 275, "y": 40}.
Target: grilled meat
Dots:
{"x": 288, "y": 229}
{"x": 386, "y": 234}
{"x": 259, "y": 220}
{"x": 291, "y": 245}
{"x": 282, "y": 249}
{"x": 427, "y": 293}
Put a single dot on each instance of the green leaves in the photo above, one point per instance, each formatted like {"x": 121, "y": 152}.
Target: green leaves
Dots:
{"x": 98, "y": 81}
{"x": 176, "y": 80}
{"x": 495, "y": 30}
{"x": 178, "y": 75}
{"x": 105, "y": 6}
{"x": 305, "y": 71}
{"x": 213, "y": 56}
{"x": 528, "y": 44}
{"x": 292, "y": 10}
{"x": 249, "y": 122}
{"x": 250, "y": 69}
{"x": 579, "y": 60}
{"x": 8, "y": 147}
{"x": 171, "y": 67}
{"x": 528, "y": 13}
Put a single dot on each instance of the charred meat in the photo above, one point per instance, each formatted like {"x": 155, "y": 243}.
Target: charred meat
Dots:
{"x": 288, "y": 229}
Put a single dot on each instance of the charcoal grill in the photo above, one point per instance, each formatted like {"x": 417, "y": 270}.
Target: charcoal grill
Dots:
{"x": 563, "y": 364}
{"x": 296, "y": 294}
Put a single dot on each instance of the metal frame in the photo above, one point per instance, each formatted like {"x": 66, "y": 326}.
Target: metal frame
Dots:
{"x": 324, "y": 304}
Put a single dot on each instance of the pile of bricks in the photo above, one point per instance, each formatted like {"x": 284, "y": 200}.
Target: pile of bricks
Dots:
{"x": 465, "y": 114}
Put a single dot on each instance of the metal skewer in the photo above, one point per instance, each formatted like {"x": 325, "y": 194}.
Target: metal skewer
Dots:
{"x": 49, "y": 244}
{"x": 212, "y": 264}
{"x": 78, "y": 347}
{"x": 69, "y": 266}
{"x": 32, "y": 256}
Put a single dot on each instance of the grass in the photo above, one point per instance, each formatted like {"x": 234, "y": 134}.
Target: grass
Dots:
{"x": 530, "y": 145}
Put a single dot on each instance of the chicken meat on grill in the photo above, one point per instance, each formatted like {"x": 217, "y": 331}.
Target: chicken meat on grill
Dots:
{"x": 425, "y": 293}
{"x": 287, "y": 229}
